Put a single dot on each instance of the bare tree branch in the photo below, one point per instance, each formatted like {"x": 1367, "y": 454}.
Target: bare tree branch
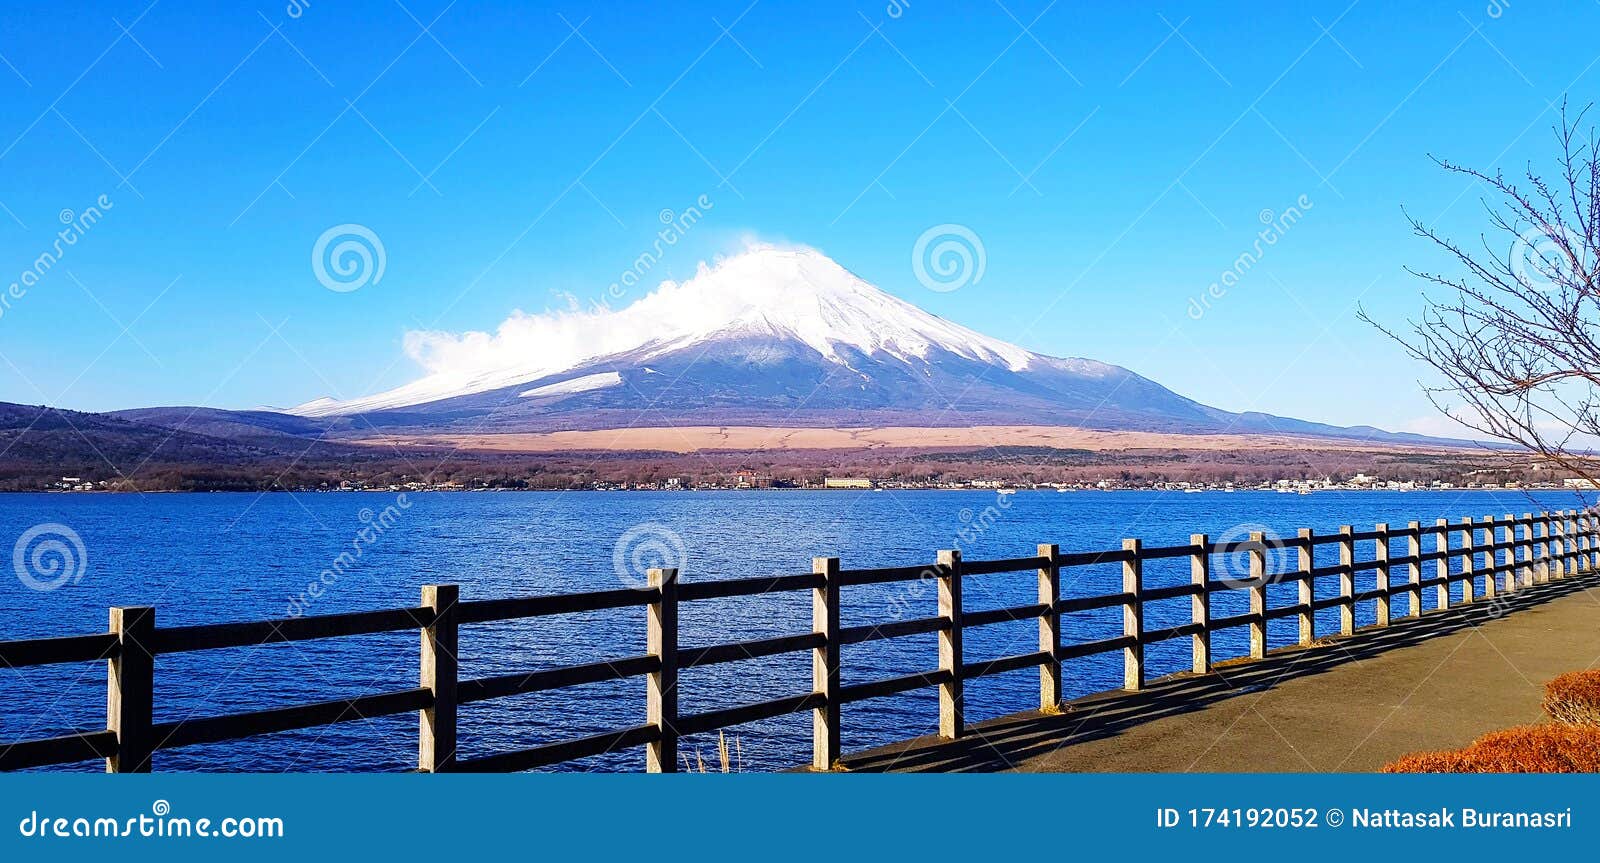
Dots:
{"x": 1516, "y": 336}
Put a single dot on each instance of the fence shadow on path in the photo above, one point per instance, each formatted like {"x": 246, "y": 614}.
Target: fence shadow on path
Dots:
{"x": 1005, "y": 743}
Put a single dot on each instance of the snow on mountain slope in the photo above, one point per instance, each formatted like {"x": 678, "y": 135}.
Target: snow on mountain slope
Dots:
{"x": 766, "y": 292}
{"x": 572, "y": 386}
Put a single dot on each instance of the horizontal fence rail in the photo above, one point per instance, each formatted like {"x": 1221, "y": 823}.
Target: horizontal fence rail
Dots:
{"x": 1494, "y": 557}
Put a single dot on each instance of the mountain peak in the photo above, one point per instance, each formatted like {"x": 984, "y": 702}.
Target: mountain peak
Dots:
{"x": 794, "y": 294}
{"x": 805, "y": 295}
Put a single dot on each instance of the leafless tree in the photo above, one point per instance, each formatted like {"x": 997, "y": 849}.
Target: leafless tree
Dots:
{"x": 1516, "y": 334}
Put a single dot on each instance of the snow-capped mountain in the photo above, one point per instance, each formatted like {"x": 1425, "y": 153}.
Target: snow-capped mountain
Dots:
{"x": 773, "y": 337}
{"x": 793, "y": 295}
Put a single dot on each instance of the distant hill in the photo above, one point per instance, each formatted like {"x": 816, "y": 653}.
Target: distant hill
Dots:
{"x": 265, "y": 428}
{"x": 40, "y": 445}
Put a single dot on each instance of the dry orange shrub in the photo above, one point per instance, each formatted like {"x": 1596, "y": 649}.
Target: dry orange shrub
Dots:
{"x": 1574, "y": 698}
{"x": 1551, "y": 748}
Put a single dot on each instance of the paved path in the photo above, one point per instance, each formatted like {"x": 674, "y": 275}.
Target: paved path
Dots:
{"x": 1346, "y": 705}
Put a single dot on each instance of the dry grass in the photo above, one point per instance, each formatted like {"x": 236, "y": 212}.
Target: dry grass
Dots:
{"x": 728, "y": 761}
{"x": 1556, "y": 747}
{"x": 1574, "y": 698}
{"x": 686, "y": 439}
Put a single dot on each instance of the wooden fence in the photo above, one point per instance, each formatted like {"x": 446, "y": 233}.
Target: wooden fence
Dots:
{"x": 1495, "y": 556}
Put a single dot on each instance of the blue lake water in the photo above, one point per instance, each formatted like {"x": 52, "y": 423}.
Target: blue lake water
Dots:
{"x": 204, "y": 558}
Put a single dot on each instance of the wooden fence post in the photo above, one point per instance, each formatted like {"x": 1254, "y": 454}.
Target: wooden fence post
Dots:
{"x": 1517, "y": 554}
{"x": 130, "y": 689}
{"x": 1591, "y": 559}
{"x": 1347, "y": 580}
{"x": 661, "y": 686}
{"x": 1508, "y": 538}
{"x": 1491, "y": 558}
{"x": 1562, "y": 529}
{"x": 441, "y": 644}
{"x": 1133, "y": 615}
{"x": 1584, "y": 525}
{"x": 1571, "y": 532}
{"x": 1414, "y": 568}
{"x": 1591, "y": 544}
{"x": 1569, "y": 544}
{"x": 1578, "y": 527}
{"x": 1524, "y": 572}
{"x": 1441, "y": 570}
{"x": 1586, "y": 543}
{"x": 1558, "y": 545}
{"x": 1468, "y": 562}
{"x": 1574, "y": 543}
{"x": 1307, "y": 593}
{"x": 1050, "y": 628}
{"x": 1258, "y": 594}
{"x": 1381, "y": 574}
{"x": 1549, "y": 531}
{"x": 952, "y": 712}
{"x": 825, "y": 664}
{"x": 1541, "y": 549}
{"x": 1574, "y": 531}
{"x": 1200, "y": 602}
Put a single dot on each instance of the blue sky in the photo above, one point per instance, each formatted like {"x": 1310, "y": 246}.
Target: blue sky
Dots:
{"x": 1113, "y": 163}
